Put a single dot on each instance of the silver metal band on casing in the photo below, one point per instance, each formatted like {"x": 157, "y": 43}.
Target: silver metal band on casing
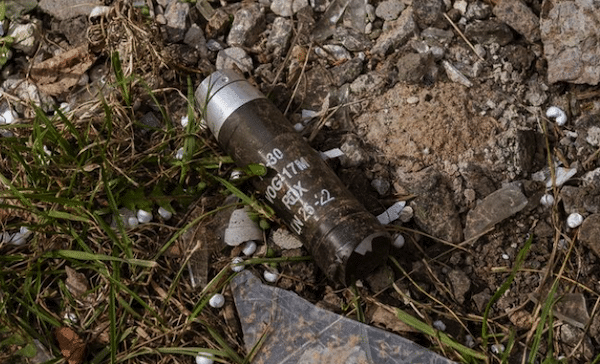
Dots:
{"x": 222, "y": 93}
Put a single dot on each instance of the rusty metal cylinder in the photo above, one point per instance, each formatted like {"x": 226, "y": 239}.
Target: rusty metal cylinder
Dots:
{"x": 344, "y": 239}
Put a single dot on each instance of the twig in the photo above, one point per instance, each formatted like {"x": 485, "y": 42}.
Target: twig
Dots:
{"x": 463, "y": 37}
{"x": 299, "y": 80}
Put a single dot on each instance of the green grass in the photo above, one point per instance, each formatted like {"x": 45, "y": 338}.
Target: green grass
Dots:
{"x": 97, "y": 166}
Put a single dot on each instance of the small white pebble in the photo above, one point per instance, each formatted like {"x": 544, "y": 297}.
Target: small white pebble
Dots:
{"x": 144, "y": 216}
{"x": 398, "y": 241}
{"x": 235, "y": 175}
{"x": 440, "y": 325}
{"x": 132, "y": 222}
{"x": 412, "y": 100}
{"x": 547, "y": 200}
{"x": 164, "y": 213}
{"x": 47, "y": 151}
{"x": 497, "y": 348}
{"x": 217, "y": 300}
{"x": 64, "y": 107}
{"x": 250, "y": 248}
{"x": 271, "y": 276}
{"x": 236, "y": 266}
{"x": 298, "y": 127}
{"x": 505, "y": 256}
{"x": 8, "y": 116}
{"x": 557, "y": 114}
{"x": 184, "y": 121}
{"x": 70, "y": 317}
{"x": 204, "y": 358}
{"x": 574, "y": 220}
{"x": 179, "y": 154}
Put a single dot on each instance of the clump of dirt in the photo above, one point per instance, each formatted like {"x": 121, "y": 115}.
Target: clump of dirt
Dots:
{"x": 416, "y": 127}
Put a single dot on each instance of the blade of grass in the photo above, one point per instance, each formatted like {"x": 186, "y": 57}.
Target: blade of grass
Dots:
{"x": 503, "y": 288}
{"x": 264, "y": 210}
{"x": 231, "y": 354}
{"x": 444, "y": 338}
{"x": 86, "y": 256}
{"x": 122, "y": 82}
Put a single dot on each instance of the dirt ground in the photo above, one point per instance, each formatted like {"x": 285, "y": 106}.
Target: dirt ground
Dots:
{"x": 441, "y": 146}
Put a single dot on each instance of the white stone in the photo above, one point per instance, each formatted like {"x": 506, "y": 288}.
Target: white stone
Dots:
{"x": 271, "y": 276}
{"x": 412, "y": 100}
{"x": 547, "y": 200}
{"x": 179, "y": 154}
{"x": 217, "y": 301}
{"x": 557, "y": 114}
{"x": 574, "y": 220}
{"x": 164, "y": 213}
{"x": 235, "y": 175}
{"x": 8, "y": 116}
{"x": 497, "y": 348}
{"x": 144, "y": 216}
{"x": 249, "y": 248}
{"x": 398, "y": 241}
{"x": 204, "y": 358}
{"x": 70, "y": 318}
{"x": 184, "y": 121}
{"x": 132, "y": 222}
{"x": 236, "y": 265}
{"x": 440, "y": 325}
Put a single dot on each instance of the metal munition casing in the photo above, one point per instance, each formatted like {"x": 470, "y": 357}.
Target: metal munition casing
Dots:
{"x": 345, "y": 240}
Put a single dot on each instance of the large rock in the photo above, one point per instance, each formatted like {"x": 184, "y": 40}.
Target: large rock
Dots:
{"x": 434, "y": 209}
{"x": 248, "y": 23}
{"x": 176, "y": 15}
{"x": 67, "y": 9}
{"x": 519, "y": 17}
{"x": 396, "y": 33}
{"x": 570, "y": 31}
